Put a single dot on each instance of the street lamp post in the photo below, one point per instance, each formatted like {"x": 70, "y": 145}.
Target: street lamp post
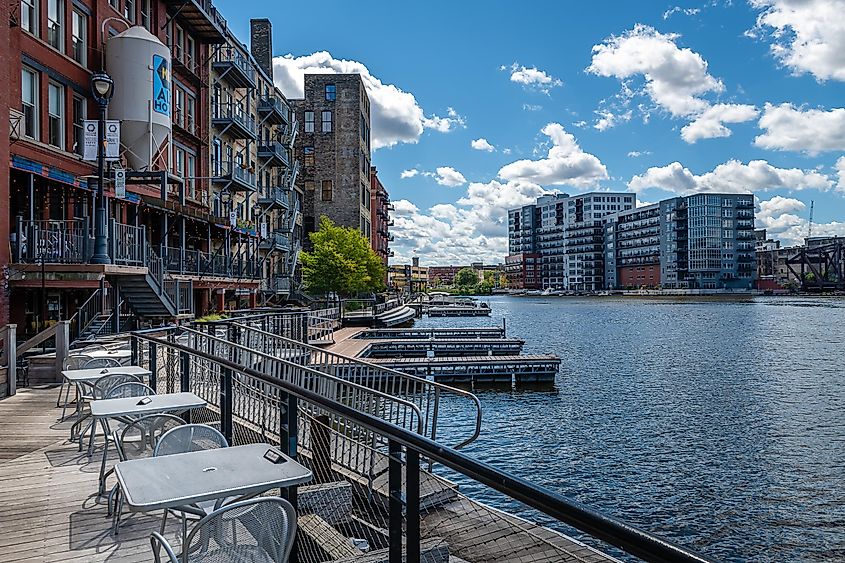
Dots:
{"x": 102, "y": 87}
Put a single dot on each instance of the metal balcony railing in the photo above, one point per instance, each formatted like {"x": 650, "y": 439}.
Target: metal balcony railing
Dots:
{"x": 273, "y": 151}
{"x": 231, "y": 119}
{"x": 234, "y": 176}
{"x": 234, "y": 67}
{"x": 276, "y": 109}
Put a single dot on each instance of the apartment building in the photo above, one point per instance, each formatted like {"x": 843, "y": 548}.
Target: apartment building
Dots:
{"x": 333, "y": 143}
{"x": 380, "y": 220}
{"x": 408, "y": 278}
{"x": 182, "y": 238}
{"x": 702, "y": 241}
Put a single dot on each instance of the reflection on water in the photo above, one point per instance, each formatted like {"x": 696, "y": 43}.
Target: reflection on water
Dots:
{"x": 719, "y": 424}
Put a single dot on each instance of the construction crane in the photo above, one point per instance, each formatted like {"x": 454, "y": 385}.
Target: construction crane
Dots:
{"x": 810, "y": 226}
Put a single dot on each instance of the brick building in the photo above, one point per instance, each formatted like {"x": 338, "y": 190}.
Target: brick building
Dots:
{"x": 380, "y": 220}
{"x": 333, "y": 144}
{"x": 204, "y": 245}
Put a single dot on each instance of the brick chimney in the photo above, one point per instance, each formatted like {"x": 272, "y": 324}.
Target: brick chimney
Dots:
{"x": 261, "y": 44}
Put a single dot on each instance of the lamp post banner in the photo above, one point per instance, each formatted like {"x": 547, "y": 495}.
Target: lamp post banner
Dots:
{"x": 112, "y": 139}
{"x": 89, "y": 145}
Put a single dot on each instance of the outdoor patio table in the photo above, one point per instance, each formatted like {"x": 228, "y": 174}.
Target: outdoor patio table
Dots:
{"x": 78, "y": 376}
{"x": 104, "y": 409}
{"x": 179, "y": 480}
{"x": 119, "y": 355}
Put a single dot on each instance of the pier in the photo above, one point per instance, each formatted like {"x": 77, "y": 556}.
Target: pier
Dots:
{"x": 481, "y": 370}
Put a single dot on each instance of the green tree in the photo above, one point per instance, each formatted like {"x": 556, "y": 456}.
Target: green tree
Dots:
{"x": 341, "y": 261}
{"x": 465, "y": 278}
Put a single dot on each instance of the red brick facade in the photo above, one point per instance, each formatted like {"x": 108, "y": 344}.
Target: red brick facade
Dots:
{"x": 639, "y": 276}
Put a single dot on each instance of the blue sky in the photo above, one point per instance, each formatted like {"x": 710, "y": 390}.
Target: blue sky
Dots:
{"x": 659, "y": 98}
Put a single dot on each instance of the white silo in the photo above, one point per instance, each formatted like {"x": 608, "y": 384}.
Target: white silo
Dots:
{"x": 139, "y": 64}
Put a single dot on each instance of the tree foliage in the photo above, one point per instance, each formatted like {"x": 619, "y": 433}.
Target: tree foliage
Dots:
{"x": 341, "y": 261}
{"x": 465, "y": 278}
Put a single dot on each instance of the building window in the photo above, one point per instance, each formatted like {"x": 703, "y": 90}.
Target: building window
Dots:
{"x": 326, "y": 122}
{"x": 190, "y": 180}
{"x": 178, "y": 107}
{"x": 29, "y": 100}
{"x": 326, "y": 190}
{"x": 56, "y": 115}
{"x": 308, "y": 154}
{"x": 331, "y": 92}
{"x": 79, "y": 30}
{"x": 145, "y": 14}
{"x": 115, "y": 4}
{"x": 78, "y": 117}
{"x": 190, "y": 112}
{"x": 29, "y": 16}
{"x": 55, "y": 11}
{"x": 129, "y": 10}
{"x": 310, "y": 185}
{"x": 309, "y": 121}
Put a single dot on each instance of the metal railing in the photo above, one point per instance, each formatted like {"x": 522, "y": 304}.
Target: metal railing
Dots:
{"x": 62, "y": 242}
{"x": 407, "y": 513}
{"x": 236, "y": 114}
{"x": 427, "y": 395}
{"x": 198, "y": 263}
{"x": 127, "y": 244}
{"x": 178, "y": 293}
{"x": 272, "y": 103}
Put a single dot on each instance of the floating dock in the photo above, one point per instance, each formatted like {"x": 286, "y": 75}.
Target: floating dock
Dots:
{"x": 422, "y": 347}
{"x": 483, "y": 370}
{"x": 459, "y": 310}
{"x": 412, "y": 333}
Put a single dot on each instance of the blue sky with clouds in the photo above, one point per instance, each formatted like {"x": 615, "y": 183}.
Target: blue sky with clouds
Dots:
{"x": 482, "y": 106}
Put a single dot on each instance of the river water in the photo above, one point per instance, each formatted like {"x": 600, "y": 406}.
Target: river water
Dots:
{"x": 717, "y": 424}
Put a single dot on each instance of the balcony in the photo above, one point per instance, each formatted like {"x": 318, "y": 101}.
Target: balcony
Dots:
{"x": 200, "y": 17}
{"x": 273, "y": 110}
{"x": 274, "y": 153}
{"x": 234, "y": 121}
{"x": 276, "y": 241}
{"x": 204, "y": 264}
{"x": 235, "y": 177}
{"x": 277, "y": 285}
{"x": 273, "y": 197}
{"x": 234, "y": 68}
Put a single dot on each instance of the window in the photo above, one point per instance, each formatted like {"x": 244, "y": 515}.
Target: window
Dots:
{"x": 145, "y": 14}
{"x": 309, "y": 121}
{"x": 190, "y": 173}
{"x": 29, "y": 16}
{"x": 56, "y": 115}
{"x": 326, "y": 122}
{"x": 331, "y": 92}
{"x": 79, "y": 29}
{"x": 308, "y": 154}
{"x": 78, "y": 116}
{"x": 29, "y": 100}
{"x": 55, "y": 37}
{"x": 190, "y": 112}
{"x": 129, "y": 10}
{"x": 310, "y": 185}
{"x": 178, "y": 107}
{"x": 115, "y": 4}
{"x": 326, "y": 190}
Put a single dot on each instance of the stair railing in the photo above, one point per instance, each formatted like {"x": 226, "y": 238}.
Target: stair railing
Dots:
{"x": 168, "y": 287}
{"x": 85, "y": 314}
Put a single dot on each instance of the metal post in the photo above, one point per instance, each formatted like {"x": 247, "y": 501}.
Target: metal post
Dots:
{"x": 101, "y": 250}
{"x": 152, "y": 351}
{"x": 394, "y": 480}
{"x": 288, "y": 437}
{"x": 226, "y": 404}
{"x": 412, "y": 510}
{"x": 11, "y": 353}
{"x": 133, "y": 345}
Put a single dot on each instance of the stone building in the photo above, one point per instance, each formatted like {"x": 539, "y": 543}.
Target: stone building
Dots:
{"x": 333, "y": 144}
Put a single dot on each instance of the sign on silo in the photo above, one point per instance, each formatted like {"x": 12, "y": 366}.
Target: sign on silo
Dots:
{"x": 161, "y": 85}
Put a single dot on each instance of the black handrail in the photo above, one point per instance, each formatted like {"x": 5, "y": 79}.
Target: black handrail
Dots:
{"x": 606, "y": 528}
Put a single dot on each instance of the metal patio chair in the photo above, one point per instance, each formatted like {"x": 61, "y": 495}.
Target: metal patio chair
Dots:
{"x": 184, "y": 439}
{"x": 74, "y": 361}
{"x": 99, "y": 390}
{"x": 101, "y": 363}
{"x": 259, "y": 530}
{"x": 137, "y": 440}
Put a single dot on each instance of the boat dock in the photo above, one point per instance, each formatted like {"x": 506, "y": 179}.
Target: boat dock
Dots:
{"x": 422, "y": 347}
{"x": 458, "y": 310}
{"x": 411, "y": 333}
{"x": 484, "y": 370}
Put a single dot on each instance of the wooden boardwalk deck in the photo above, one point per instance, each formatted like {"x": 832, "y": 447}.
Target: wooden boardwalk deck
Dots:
{"x": 48, "y": 506}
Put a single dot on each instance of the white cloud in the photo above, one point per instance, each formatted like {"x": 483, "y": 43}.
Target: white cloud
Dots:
{"x": 730, "y": 177}
{"x": 790, "y": 128}
{"x": 710, "y": 123}
{"x": 675, "y": 78}
{"x": 448, "y": 176}
{"x": 532, "y": 77}
{"x": 565, "y": 163}
{"x": 451, "y": 122}
{"x": 532, "y": 107}
{"x": 808, "y": 36}
{"x": 840, "y": 173}
{"x": 608, "y": 119}
{"x": 396, "y": 115}
{"x": 473, "y": 228}
{"x": 678, "y": 10}
{"x": 636, "y": 154}
{"x": 403, "y": 207}
{"x": 787, "y": 220}
{"x": 482, "y": 144}
{"x": 410, "y": 173}
{"x": 506, "y": 150}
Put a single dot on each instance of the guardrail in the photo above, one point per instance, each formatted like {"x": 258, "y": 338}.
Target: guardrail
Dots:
{"x": 62, "y": 242}
{"x": 426, "y": 395}
{"x": 254, "y": 399}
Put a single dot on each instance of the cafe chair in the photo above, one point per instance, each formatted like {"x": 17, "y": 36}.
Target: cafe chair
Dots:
{"x": 99, "y": 390}
{"x": 259, "y": 530}
{"x": 101, "y": 363}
